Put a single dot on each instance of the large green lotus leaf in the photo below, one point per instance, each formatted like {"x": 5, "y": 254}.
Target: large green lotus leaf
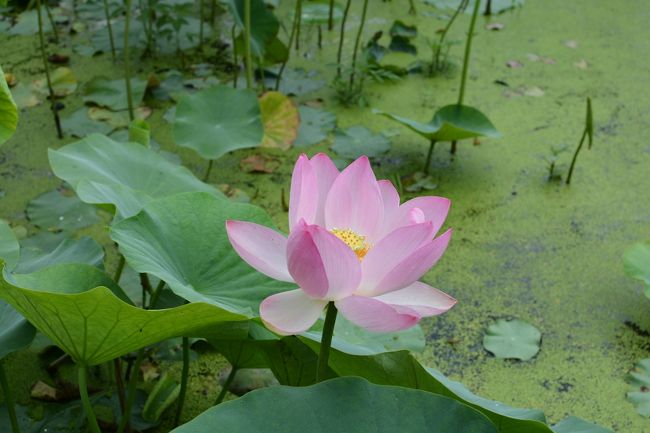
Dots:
{"x": 8, "y": 110}
{"x": 126, "y": 175}
{"x": 75, "y": 307}
{"x": 512, "y": 339}
{"x": 402, "y": 369}
{"x": 9, "y": 247}
{"x": 340, "y": 406}
{"x": 264, "y": 24}
{"x": 55, "y": 210}
{"x": 182, "y": 240}
{"x": 15, "y": 332}
{"x": 218, "y": 120}
{"x": 112, "y": 93}
{"x": 451, "y": 122}
{"x": 636, "y": 262}
{"x": 574, "y": 424}
{"x": 27, "y": 23}
{"x": 40, "y": 252}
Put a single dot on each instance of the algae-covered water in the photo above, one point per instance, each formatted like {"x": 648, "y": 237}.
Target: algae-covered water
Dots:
{"x": 523, "y": 247}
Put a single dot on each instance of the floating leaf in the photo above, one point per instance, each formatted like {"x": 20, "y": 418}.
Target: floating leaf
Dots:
{"x": 63, "y": 82}
{"x": 126, "y": 175}
{"x": 574, "y": 424}
{"x": 639, "y": 379}
{"x": 182, "y": 240}
{"x": 451, "y": 122}
{"x": 24, "y": 96}
{"x": 15, "y": 332}
{"x": 112, "y": 93}
{"x": 57, "y": 211}
{"x": 399, "y": 28}
{"x": 512, "y": 339}
{"x": 280, "y": 118}
{"x": 78, "y": 124}
{"x": 118, "y": 119}
{"x": 318, "y": 12}
{"x": 61, "y": 299}
{"x": 258, "y": 163}
{"x": 27, "y": 23}
{"x": 298, "y": 81}
{"x": 636, "y": 262}
{"x": 359, "y": 140}
{"x": 8, "y": 110}
{"x": 218, "y": 120}
{"x": 315, "y": 124}
{"x": 497, "y": 6}
{"x": 341, "y": 403}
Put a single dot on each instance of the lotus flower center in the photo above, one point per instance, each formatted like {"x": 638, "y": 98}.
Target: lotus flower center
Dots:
{"x": 357, "y": 243}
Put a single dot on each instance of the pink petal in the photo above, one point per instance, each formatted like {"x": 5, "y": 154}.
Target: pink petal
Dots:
{"x": 389, "y": 196}
{"x": 420, "y": 297}
{"x": 435, "y": 209}
{"x": 390, "y": 252}
{"x": 291, "y": 312}
{"x": 414, "y": 266}
{"x": 262, "y": 248}
{"x": 375, "y": 315}
{"x": 303, "y": 198}
{"x": 322, "y": 265}
{"x": 354, "y": 201}
{"x": 326, "y": 172}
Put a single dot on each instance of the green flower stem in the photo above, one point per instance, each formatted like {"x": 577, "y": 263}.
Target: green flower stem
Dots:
{"x": 235, "y": 69}
{"x": 127, "y": 59}
{"x": 427, "y": 164}
{"x": 326, "y": 342}
{"x": 117, "y": 371}
{"x": 41, "y": 37}
{"x": 292, "y": 35}
{"x": 339, "y": 53}
{"x": 119, "y": 269}
{"x": 132, "y": 389}
{"x": 299, "y": 6}
{"x": 206, "y": 176}
{"x": 52, "y": 23}
{"x": 153, "y": 300}
{"x": 226, "y": 385}
{"x": 357, "y": 42}
{"x": 330, "y": 18}
{"x": 575, "y": 156}
{"x": 88, "y": 407}
{"x": 9, "y": 400}
{"x": 461, "y": 6}
{"x": 202, "y": 15}
{"x": 107, "y": 14}
{"x": 247, "y": 44}
{"x": 184, "y": 380}
{"x": 468, "y": 51}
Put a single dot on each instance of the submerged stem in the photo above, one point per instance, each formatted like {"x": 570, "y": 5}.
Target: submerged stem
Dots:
{"x": 330, "y": 17}
{"x": 88, "y": 407}
{"x": 9, "y": 400}
{"x": 226, "y": 385}
{"x": 247, "y": 44}
{"x": 52, "y": 23}
{"x": 206, "y": 176}
{"x": 443, "y": 35}
{"x": 326, "y": 342}
{"x": 575, "y": 156}
{"x": 184, "y": 379}
{"x": 132, "y": 389}
{"x": 468, "y": 51}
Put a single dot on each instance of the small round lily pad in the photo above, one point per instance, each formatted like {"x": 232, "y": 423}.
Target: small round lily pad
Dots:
{"x": 512, "y": 339}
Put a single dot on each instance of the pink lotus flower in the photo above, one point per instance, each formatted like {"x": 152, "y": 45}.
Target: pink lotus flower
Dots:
{"x": 351, "y": 242}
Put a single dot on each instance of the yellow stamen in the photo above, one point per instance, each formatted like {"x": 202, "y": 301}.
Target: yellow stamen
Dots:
{"x": 357, "y": 243}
